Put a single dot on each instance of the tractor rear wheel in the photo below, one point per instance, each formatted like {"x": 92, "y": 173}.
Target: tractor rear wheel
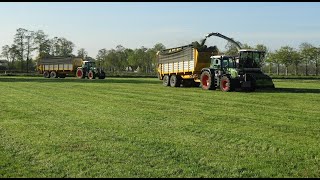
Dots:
{"x": 46, "y": 74}
{"x": 207, "y": 81}
{"x": 175, "y": 81}
{"x": 166, "y": 80}
{"x": 80, "y": 74}
{"x": 91, "y": 75}
{"x": 225, "y": 84}
{"x": 102, "y": 75}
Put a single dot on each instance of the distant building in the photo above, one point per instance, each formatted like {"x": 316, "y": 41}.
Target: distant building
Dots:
{"x": 4, "y": 65}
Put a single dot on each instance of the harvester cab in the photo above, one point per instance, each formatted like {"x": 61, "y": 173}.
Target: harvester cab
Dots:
{"x": 250, "y": 58}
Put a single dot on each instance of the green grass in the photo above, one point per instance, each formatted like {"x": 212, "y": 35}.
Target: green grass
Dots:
{"x": 135, "y": 127}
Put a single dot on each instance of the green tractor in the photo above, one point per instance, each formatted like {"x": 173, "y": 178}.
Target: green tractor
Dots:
{"x": 89, "y": 69}
{"x": 230, "y": 73}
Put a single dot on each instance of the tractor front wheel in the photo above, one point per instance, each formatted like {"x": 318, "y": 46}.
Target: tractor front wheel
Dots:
{"x": 225, "y": 84}
{"x": 91, "y": 75}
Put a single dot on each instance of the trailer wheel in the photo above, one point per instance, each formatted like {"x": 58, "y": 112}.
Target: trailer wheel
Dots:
{"x": 175, "y": 81}
{"x": 53, "y": 74}
{"x": 225, "y": 84}
{"x": 166, "y": 80}
{"x": 80, "y": 74}
{"x": 46, "y": 74}
{"x": 91, "y": 75}
{"x": 207, "y": 81}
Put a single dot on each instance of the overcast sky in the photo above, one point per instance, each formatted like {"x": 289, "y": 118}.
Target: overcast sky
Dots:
{"x": 97, "y": 25}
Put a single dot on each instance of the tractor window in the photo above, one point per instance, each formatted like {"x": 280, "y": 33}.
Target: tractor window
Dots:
{"x": 90, "y": 64}
{"x": 228, "y": 62}
{"x": 225, "y": 63}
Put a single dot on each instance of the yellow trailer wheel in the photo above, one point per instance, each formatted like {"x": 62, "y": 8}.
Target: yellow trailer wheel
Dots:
{"x": 166, "y": 80}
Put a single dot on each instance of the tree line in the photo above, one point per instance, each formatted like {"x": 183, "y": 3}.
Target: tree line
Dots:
{"x": 30, "y": 46}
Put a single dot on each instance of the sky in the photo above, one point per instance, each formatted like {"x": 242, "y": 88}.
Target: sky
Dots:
{"x": 97, "y": 25}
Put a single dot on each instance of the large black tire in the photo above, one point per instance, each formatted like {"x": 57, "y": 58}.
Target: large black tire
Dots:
{"x": 53, "y": 74}
{"x": 207, "y": 81}
{"x": 102, "y": 75}
{"x": 80, "y": 74}
{"x": 225, "y": 84}
{"x": 91, "y": 75}
{"x": 46, "y": 74}
{"x": 166, "y": 80}
{"x": 175, "y": 81}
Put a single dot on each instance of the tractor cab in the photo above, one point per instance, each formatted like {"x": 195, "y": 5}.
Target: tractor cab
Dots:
{"x": 223, "y": 62}
{"x": 88, "y": 65}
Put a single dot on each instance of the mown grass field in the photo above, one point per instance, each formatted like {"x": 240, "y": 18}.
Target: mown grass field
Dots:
{"x": 135, "y": 127}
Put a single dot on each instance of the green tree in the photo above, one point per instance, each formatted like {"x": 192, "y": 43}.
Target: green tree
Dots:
{"x": 82, "y": 53}
{"x": 296, "y": 60}
{"x": 6, "y": 52}
{"x": 286, "y": 55}
{"x": 129, "y": 53}
{"x": 133, "y": 60}
{"x": 61, "y": 47}
{"x": 19, "y": 41}
{"x": 270, "y": 59}
{"x": 29, "y": 46}
{"x": 264, "y": 48}
{"x": 66, "y": 47}
{"x": 42, "y": 43}
{"x": 308, "y": 54}
{"x": 101, "y": 57}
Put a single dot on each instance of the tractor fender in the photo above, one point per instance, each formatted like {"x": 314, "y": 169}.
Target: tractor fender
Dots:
{"x": 210, "y": 70}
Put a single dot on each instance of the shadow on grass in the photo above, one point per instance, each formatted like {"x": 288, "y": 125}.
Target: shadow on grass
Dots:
{"x": 75, "y": 80}
{"x": 289, "y": 90}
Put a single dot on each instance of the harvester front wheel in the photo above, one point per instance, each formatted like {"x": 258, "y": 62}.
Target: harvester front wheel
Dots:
{"x": 46, "y": 74}
{"x": 91, "y": 75}
{"x": 207, "y": 81}
{"x": 166, "y": 80}
{"x": 225, "y": 84}
{"x": 175, "y": 81}
{"x": 80, "y": 74}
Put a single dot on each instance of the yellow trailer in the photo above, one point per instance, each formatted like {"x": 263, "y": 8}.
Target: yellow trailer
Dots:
{"x": 183, "y": 65}
{"x": 59, "y": 66}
